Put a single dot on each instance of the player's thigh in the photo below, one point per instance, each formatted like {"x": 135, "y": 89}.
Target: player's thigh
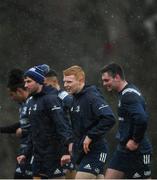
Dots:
{"x": 100, "y": 176}
{"x": 84, "y": 175}
{"x": 70, "y": 174}
{"x": 114, "y": 174}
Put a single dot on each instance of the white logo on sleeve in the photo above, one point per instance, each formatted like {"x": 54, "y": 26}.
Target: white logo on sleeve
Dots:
{"x": 103, "y": 106}
{"x": 55, "y": 108}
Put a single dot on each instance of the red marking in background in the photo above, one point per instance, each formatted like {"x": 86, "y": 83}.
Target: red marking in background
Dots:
{"x": 108, "y": 48}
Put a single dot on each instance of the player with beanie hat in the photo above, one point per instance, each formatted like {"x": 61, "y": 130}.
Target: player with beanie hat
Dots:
{"x": 36, "y": 73}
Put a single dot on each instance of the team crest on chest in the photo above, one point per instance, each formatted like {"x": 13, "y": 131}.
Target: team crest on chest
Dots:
{"x": 75, "y": 109}
{"x": 34, "y": 108}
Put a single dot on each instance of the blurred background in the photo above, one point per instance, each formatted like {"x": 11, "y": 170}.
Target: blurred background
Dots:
{"x": 90, "y": 33}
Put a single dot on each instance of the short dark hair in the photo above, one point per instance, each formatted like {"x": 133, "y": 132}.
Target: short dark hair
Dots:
{"x": 16, "y": 79}
{"x": 113, "y": 69}
{"x": 51, "y": 73}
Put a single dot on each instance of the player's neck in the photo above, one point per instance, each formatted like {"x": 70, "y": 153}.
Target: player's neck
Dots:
{"x": 122, "y": 85}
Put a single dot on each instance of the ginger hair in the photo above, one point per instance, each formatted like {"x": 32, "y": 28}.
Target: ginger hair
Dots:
{"x": 75, "y": 70}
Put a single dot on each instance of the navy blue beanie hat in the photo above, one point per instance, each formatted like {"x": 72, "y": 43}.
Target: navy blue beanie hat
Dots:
{"x": 45, "y": 68}
{"x": 48, "y": 72}
{"x": 36, "y": 73}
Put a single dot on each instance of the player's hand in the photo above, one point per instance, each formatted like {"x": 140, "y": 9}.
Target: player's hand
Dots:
{"x": 65, "y": 159}
{"x": 21, "y": 159}
{"x": 87, "y": 141}
{"x": 132, "y": 145}
{"x": 19, "y": 132}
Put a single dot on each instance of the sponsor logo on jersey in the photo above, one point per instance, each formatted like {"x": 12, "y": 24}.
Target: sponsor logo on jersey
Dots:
{"x": 55, "y": 108}
{"x": 34, "y": 108}
{"x": 75, "y": 109}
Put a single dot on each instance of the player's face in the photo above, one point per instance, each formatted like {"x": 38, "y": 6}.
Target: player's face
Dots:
{"x": 108, "y": 81}
{"x": 31, "y": 85}
{"x": 16, "y": 95}
{"x": 71, "y": 84}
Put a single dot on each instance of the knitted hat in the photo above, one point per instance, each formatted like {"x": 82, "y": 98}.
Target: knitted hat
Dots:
{"x": 44, "y": 67}
{"x": 48, "y": 72}
{"x": 36, "y": 73}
